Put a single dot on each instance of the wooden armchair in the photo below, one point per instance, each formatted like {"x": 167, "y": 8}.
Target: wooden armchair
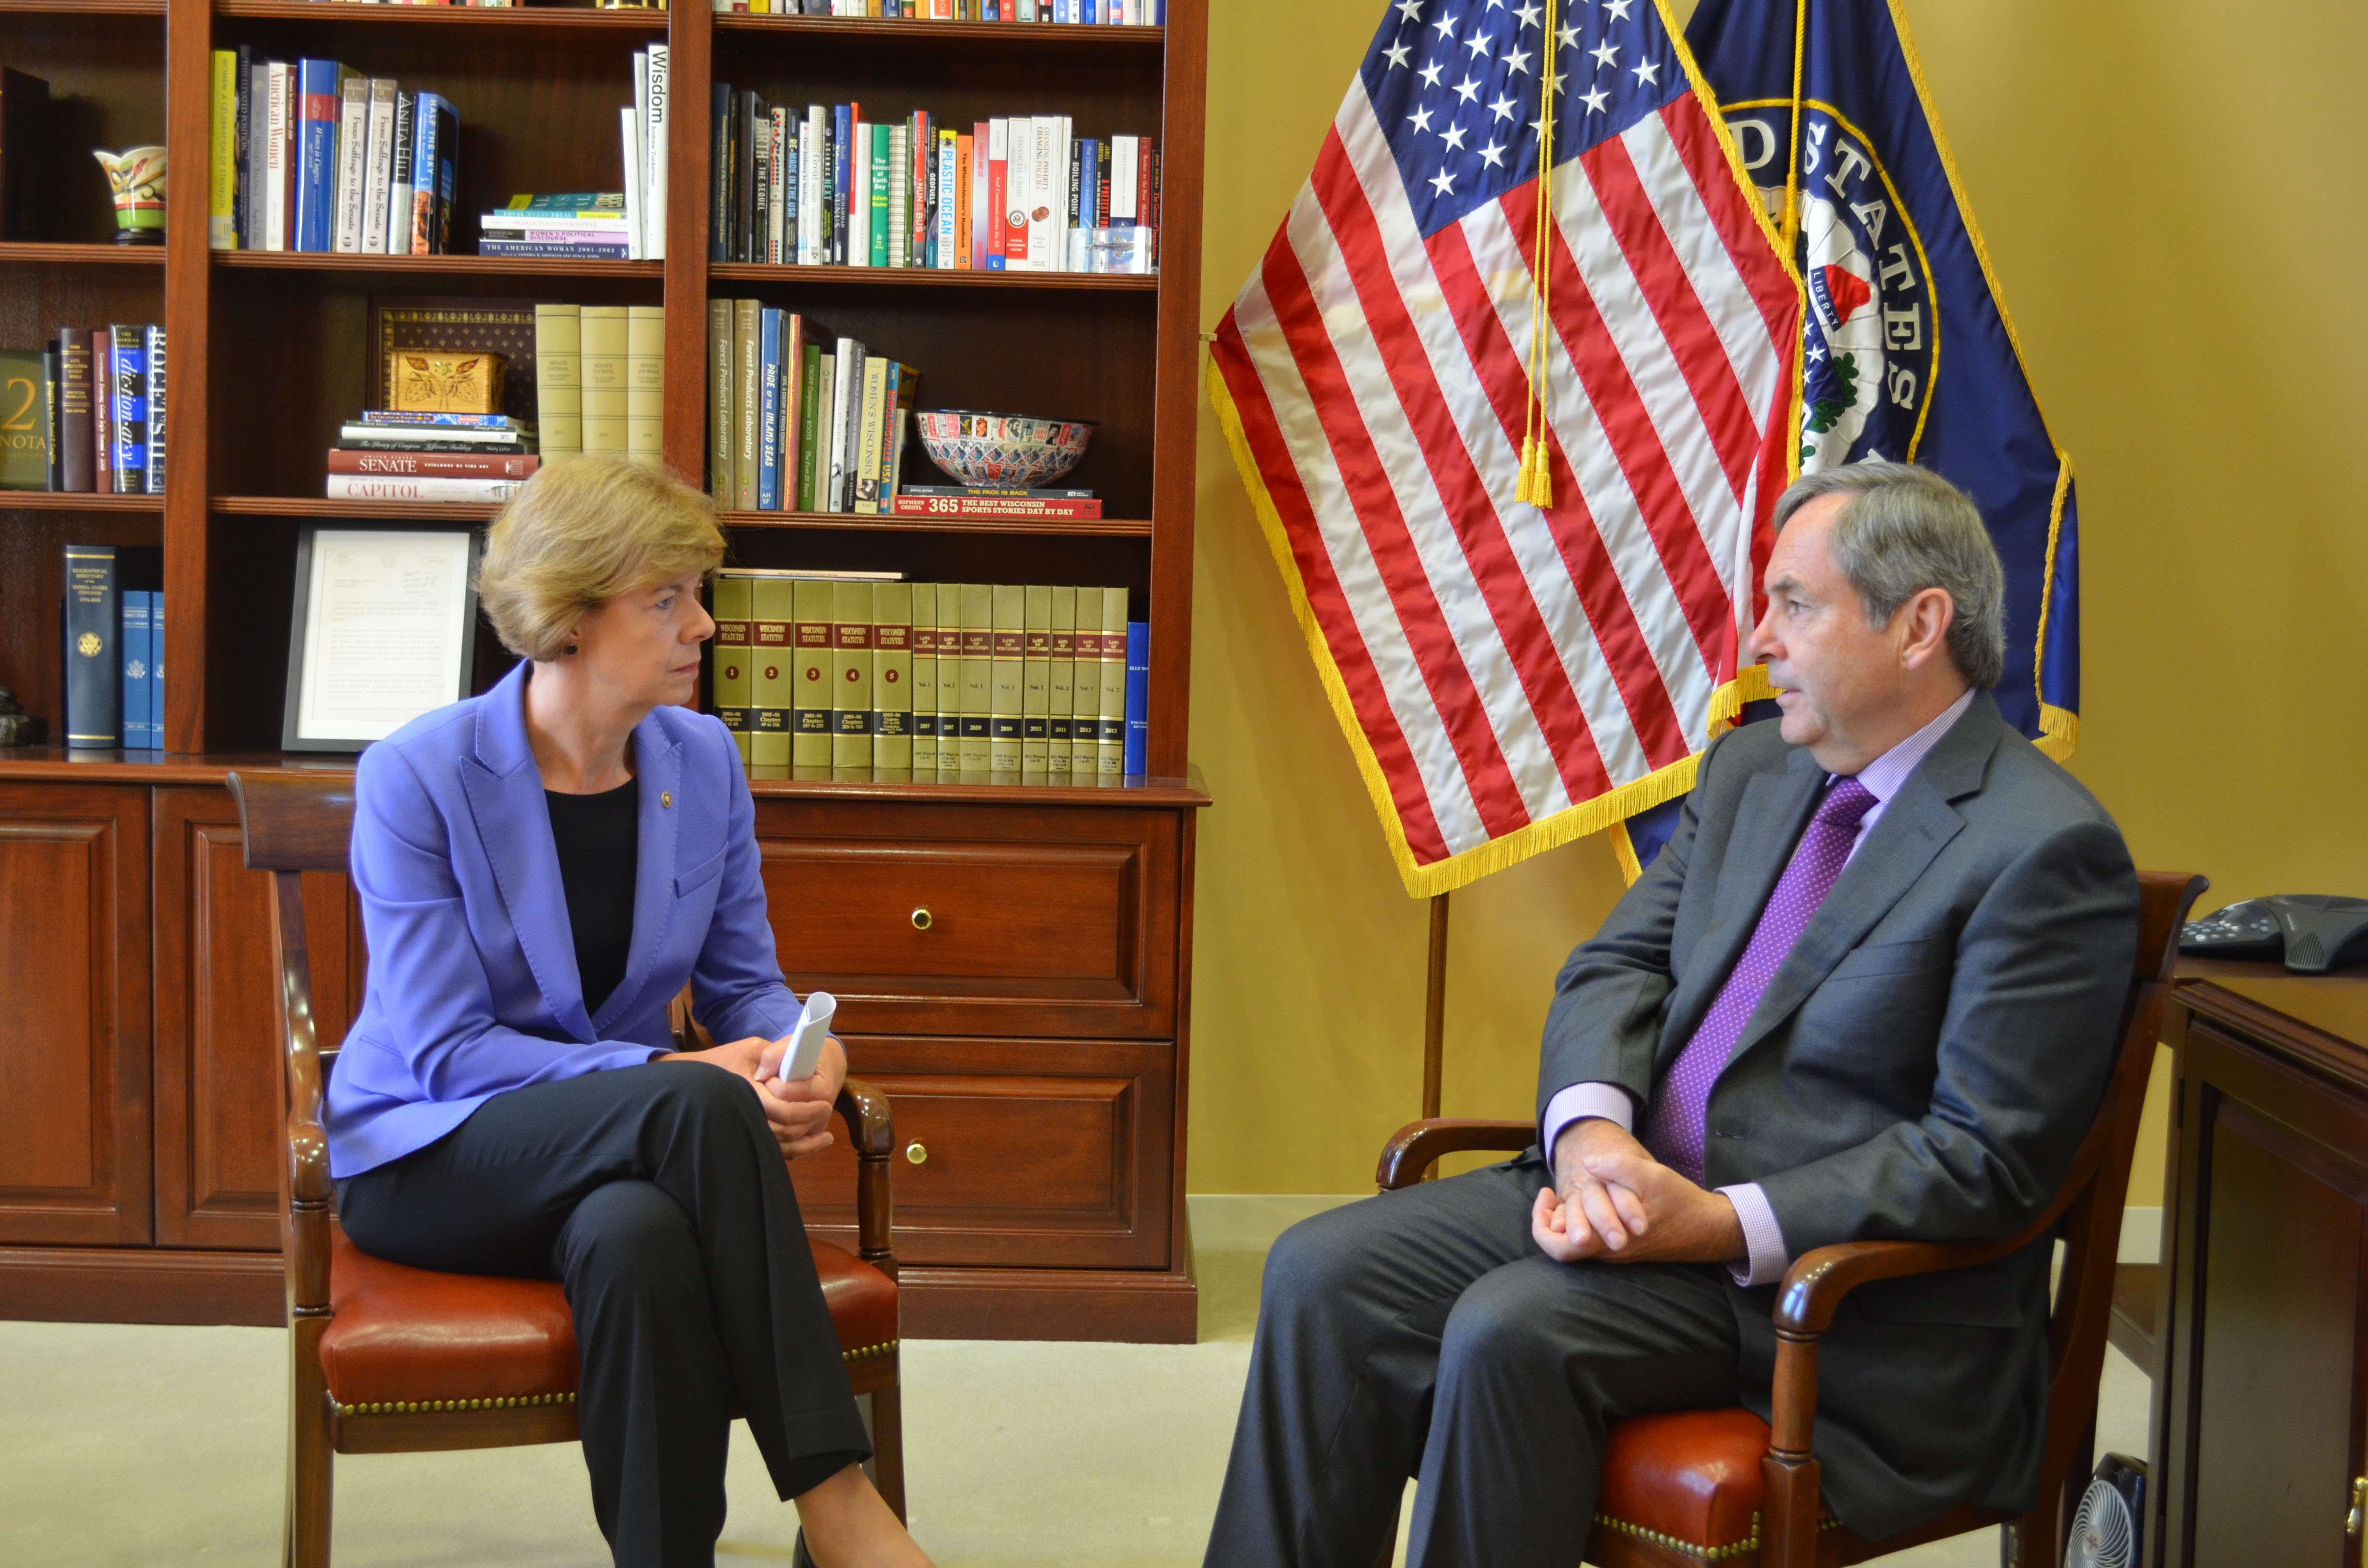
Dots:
{"x": 1695, "y": 1487}
{"x": 389, "y": 1359}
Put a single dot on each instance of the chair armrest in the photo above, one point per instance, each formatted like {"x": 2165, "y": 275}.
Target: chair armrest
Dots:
{"x": 1813, "y": 1286}
{"x": 1416, "y": 1146}
{"x": 873, "y": 1131}
{"x": 870, "y": 1127}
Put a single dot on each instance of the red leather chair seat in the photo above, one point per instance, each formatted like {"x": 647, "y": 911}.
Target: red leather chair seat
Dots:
{"x": 412, "y": 1336}
{"x": 1689, "y": 1479}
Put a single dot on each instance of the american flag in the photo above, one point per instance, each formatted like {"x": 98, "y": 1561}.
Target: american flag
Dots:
{"x": 1511, "y": 677}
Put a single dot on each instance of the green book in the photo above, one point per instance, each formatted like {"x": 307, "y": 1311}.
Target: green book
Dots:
{"x": 810, "y": 396}
{"x": 882, "y": 159}
{"x": 25, "y": 420}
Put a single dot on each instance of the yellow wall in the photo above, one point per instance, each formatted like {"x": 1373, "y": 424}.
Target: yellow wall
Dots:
{"x": 2179, "y": 244}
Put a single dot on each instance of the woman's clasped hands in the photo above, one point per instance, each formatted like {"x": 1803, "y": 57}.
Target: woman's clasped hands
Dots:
{"x": 798, "y": 1109}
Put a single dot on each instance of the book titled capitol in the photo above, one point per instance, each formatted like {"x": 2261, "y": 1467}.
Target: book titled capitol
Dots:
{"x": 392, "y": 455}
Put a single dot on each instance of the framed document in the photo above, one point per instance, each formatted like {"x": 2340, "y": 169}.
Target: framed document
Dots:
{"x": 385, "y": 629}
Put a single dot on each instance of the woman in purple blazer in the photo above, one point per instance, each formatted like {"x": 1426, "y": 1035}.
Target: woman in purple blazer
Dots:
{"x": 540, "y": 868}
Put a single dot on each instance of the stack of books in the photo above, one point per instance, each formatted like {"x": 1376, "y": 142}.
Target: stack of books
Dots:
{"x": 311, "y": 156}
{"x": 800, "y": 420}
{"x": 395, "y": 456}
{"x": 823, "y": 185}
{"x": 87, "y": 413}
{"x": 616, "y": 225}
{"x": 856, "y": 670}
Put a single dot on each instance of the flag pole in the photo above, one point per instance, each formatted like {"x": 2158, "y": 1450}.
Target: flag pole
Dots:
{"x": 1434, "y": 1008}
{"x": 1793, "y": 167}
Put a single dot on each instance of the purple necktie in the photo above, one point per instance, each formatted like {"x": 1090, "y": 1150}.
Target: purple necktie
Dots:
{"x": 1673, "y": 1130}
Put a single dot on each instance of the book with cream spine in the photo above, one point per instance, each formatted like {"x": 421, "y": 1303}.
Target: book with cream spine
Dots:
{"x": 892, "y": 675}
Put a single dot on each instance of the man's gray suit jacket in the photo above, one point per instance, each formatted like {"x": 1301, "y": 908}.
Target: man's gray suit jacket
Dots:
{"x": 1923, "y": 1066}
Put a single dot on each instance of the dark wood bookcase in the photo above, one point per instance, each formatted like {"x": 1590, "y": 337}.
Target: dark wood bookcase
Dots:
{"x": 1032, "y": 1030}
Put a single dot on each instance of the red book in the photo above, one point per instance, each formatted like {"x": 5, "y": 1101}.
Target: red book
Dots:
{"x": 102, "y": 413}
{"x": 993, "y": 506}
{"x": 437, "y": 465}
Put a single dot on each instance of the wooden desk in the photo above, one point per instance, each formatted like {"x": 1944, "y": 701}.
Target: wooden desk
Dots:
{"x": 2261, "y": 1383}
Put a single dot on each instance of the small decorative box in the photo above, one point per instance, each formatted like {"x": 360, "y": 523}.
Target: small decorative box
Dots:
{"x": 448, "y": 383}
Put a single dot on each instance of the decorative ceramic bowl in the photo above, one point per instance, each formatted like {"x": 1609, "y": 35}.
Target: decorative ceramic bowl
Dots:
{"x": 1002, "y": 449}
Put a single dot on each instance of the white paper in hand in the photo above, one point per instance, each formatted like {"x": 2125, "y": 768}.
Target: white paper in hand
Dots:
{"x": 802, "y": 1048}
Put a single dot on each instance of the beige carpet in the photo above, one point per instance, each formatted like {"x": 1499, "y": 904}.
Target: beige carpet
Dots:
{"x": 162, "y": 1446}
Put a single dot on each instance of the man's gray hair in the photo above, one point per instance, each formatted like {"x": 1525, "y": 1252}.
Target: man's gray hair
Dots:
{"x": 1905, "y": 530}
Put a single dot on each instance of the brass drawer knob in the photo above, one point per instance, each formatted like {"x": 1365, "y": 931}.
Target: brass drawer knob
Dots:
{"x": 2358, "y": 1517}
{"x": 923, "y": 920}
{"x": 916, "y": 1152}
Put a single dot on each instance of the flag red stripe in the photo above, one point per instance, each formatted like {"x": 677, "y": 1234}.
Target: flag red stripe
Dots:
{"x": 1466, "y": 720}
{"x": 1729, "y": 208}
{"x": 1324, "y": 597}
{"x": 1609, "y": 613}
{"x": 1670, "y": 295}
{"x": 1636, "y": 446}
{"x": 1470, "y": 512}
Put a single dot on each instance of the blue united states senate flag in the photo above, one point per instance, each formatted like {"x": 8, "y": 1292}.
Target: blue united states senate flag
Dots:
{"x": 1525, "y": 235}
{"x": 1906, "y": 350}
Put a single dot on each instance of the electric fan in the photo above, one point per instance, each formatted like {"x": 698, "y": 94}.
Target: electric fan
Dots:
{"x": 2105, "y": 1530}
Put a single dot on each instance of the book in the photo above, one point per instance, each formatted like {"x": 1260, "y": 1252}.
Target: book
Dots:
{"x": 559, "y": 377}
{"x": 748, "y": 409}
{"x": 127, "y": 379}
{"x": 428, "y": 419}
{"x": 719, "y": 169}
{"x": 102, "y": 410}
{"x": 816, "y": 449}
{"x": 925, "y": 677}
{"x": 636, "y": 116}
{"x": 768, "y": 412}
{"x": 1005, "y": 702}
{"x": 997, "y": 216}
{"x": 314, "y": 119}
{"x": 727, "y": 662}
{"x": 976, "y": 748}
{"x": 432, "y": 465}
{"x": 222, "y": 163}
{"x": 851, "y": 668}
{"x": 606, "y": 205}
{"x": 719, "y": 387}
{"x": 157, "y": 666}
{"x": 74, "y": 410}
{"x": 1061, "y": 682}
{"x": 772, "y": 660}
{"x": 1137, "y": 745}
{"x": 400, "y": 177}
{"x": 907, "y": 505}
{"x": 55, "y": 451}
{"x": 1035, "y": 678}
{"x": 429, "y": 437}
{"x": 950, "y": 666}
{"x": 426, "y": 153}
{"x": 550, "y": 249}
{"x": 24, "y": 155}
{"x": 997, "y": 490}
{"x": 374, "y": 487}
{"x": 378, "y": 166}
{"x": 904, "y": 389}
{"x": 254, "y": 107}
{"x": 645, "y": 383}
{"x": 138, "y": 648}
{"x": 446, "y": 170}
{"x": 25, "y": 421}
{"x": 607, "y": 351}
{"x": 815, "y": 603}
{"x": 1111, "y": 729}
{"x": 90, "y": 680}
{"x": 892, "y": 675}
{"x": 153, "y": 381}
{"x": 870, "y": 425}
{"x": 811, "y": 397}
{"x": 279, "y": 117}
{"x": 847, "y": 403}
{"x": 352, "y": 160}
{"x": 655, "y": 144}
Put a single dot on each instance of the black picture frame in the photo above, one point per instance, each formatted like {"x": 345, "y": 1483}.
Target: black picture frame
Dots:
{"x": 300, "y": 628}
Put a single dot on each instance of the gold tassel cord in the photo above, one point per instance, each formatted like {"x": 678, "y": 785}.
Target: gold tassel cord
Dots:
{"x": 1535, "y": 482}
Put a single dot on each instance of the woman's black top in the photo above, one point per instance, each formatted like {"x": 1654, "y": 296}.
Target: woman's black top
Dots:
{"x": 599, "y": 838}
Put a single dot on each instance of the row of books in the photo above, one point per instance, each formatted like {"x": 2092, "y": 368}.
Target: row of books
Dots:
{"x": 311, "y": 156}
{"x": 599, "y": 373}
{"x": 823, "y": 185}
{"x": 800, "y": 420}
{"x": 85, "y": 414}
{"x": 851, "y": 671}
{"x": 111, "y": 648}
{"x": 1122, "y": 13}
{"x": 398, "y": 455}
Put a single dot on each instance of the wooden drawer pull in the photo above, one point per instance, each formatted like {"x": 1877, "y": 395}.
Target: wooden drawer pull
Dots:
{"x": 916, "y": 1152}
{"x": 923, "y": 920}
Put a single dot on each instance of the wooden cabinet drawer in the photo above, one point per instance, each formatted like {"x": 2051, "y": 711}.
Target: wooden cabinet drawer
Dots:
{"x": 978, "y": 920}
{"x": 1033, "y": 1154}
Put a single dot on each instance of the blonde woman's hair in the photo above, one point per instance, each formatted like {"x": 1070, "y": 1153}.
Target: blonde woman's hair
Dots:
{"x": 582, "y": 531}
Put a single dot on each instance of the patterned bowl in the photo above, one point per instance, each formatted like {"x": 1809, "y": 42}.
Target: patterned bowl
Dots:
{"x": 1002, "y": 449}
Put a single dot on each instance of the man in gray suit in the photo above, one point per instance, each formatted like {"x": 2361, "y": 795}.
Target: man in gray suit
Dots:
{"x": 1869, "y": 990}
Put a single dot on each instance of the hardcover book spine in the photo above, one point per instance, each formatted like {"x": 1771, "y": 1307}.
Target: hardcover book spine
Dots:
{"x": 769, "y": 447}
{"x": 760, "y": 183}
{"x": 771, "y": 658}
{"x": 77, "y": 455}
{"x": 719, "y": 190}
{"x": 607, "y": 345}
{"x": 747, "y": 410}
{"x": 92, "y": 622}
{"x": 1137, "y": 747}
{"x": 1111, "y": 748}
{"x": 811, "y": 397}
{"x": 352, "y": 159}
{"x": 653, "y": 190}
{"x": 720, "y": 426}
{"x": 1035, "y": 680}
{"x": 243, "y": 184}
{"x": 446, "y": 170}
{"x": 127, "y": 375}
{"x": 950, "y": 675}
{"x": 254, "y": 150}
{"x": 808, "y": 167}
{"x": 992, "y": 507}
{"x": 276, "y": 119}
{"x": 1061, "y": 682}
{"x": 221, "y": 149}
{"x": 818, "y": 437}
{"x": 995, "y": 219}
{"x": 810, "y": 715}
{"x": 400, "y": 179}
{"x": 850, "y": 632}
{"x": 52, "y": 448}
{"x": 378, "y": 169}
{"x": 156, "y": 668}
{"x": 890, "y": 195}
{"x": 374, "y": 487}
{"x": 793, "y": 355}
{"x": 892, "y": 675}
{"x": 924, "y": 678}
{"x": 870, "y": 422}
{"x": 904, "y": 385}
{"x": 1005, "y": 699}
{"x": 433, "y": 465}
{"x": 743, "y": 173}
{"x": 138, "y": 648}
{"x": 644, "y": 383}
{"x": 427, "y": 134}
{"x": 102, "y": 411}
{"x": 315, "y": 120}
{"x": 729, "y": 685}
{"x": 152, "y": 376}
{"x": 636, "y": 144}
{"x": 559, "y": 378}
{"x": 847, "y": 398}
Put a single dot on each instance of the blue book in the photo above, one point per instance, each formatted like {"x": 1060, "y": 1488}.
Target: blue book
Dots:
{"x": 157, "y": 669}
{"x": 126, "y": 394}
{"x": 242, "y": 187}
{"x": 1138, "y": 696}
{"x": 1089, "y": 181}
{"x": 447, "y": 172}
{"x": 139, "y": 655}
{"x": 768, "y": 425}
{"x": 153, "y": 374}
{"x": 841, "y": 150}
{"x": 90, "y": 683}
{"x": 427, "y": 138}
{"x": 316, "y": 155}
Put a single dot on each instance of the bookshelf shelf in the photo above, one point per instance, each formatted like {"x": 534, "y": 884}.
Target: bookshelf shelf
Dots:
{"x": 931, "y": 277}
{"x": 71, "y": 501}
{"x": 322, "y": 506}
{"x": 1065, "y": 36}
{"x": 426, "y": 270}
{"x": 45, "y": 252}
{"x": 84, "y": 8}
{"x": 1032, "y": 527}
{"x": 441, "y": 16}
